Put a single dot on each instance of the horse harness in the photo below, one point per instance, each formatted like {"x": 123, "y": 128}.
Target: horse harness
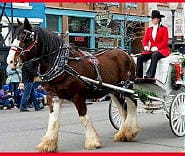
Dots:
{"x": 60, "y": 65}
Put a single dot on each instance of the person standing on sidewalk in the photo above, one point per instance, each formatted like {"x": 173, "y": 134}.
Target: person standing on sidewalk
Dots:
{"x": 29, "y": 71}
{"x": 15, "y": 78}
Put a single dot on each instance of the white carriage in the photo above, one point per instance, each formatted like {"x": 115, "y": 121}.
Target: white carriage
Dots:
{"x": 173, "y": 101}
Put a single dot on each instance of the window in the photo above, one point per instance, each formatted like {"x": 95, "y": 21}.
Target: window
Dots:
{"x": 79, "y": 25}
{"x": 105, "y": 43}
{"x": 52, "y": 23}
{"x": 131, "y": 5}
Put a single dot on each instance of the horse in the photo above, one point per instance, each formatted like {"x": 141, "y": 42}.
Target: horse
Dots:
{"x": 60, "y": 67}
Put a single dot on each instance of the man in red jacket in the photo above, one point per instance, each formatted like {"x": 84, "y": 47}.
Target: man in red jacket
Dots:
{"x": 155, "y": 45}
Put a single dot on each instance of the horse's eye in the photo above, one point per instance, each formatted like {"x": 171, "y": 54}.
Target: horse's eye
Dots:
{"x": 11, "y": 61}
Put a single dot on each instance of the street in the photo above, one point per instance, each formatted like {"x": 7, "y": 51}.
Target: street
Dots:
{"x": 22, "y": 131}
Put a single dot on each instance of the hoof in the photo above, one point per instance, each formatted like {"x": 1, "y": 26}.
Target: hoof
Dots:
{"x": 126, "y": 134}
{"x": 47, "y": 145}
{"x": 90, "y": 145}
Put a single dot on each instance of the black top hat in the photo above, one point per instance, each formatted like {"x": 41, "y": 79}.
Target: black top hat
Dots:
{"x": 156, "y": 14}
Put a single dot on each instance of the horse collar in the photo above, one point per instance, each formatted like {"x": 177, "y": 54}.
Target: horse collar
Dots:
{"x": 57, "y": 68}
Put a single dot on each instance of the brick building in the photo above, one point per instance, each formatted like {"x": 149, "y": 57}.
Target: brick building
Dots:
{"x": 98, "y": 25}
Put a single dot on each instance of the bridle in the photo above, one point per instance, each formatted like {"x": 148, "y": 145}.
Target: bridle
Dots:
{"x": 29, "y": 36}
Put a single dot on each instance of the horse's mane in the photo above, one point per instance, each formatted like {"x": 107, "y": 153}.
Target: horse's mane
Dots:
{"x": 48, "y": 40}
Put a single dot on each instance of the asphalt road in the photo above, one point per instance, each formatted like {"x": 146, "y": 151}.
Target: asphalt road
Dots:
{"x": 22, "y": 131}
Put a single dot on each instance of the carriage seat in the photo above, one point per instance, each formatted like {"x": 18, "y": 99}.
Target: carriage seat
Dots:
{"x": 163, "y": 67}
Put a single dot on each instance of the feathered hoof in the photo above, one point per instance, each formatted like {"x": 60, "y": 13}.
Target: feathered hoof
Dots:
{"x": 90, "y": 145}
{"x": 126, "y": 134}
{"x": 47, "y": 145}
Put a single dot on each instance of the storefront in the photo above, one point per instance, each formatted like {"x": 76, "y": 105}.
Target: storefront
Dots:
{"x": 93, "y": 30}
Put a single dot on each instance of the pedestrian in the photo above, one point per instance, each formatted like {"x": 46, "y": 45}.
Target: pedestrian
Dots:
{"x": 29, "y": 71}
{"x": 14, "y": 76}
{"x": 41, "y": 95}
{"x": 155, "y": 45}
{"x": 18, "y": 94}
{"x": 6, "y": 99}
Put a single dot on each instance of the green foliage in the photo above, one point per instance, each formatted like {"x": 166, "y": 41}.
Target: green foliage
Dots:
{"x": 143, "y": 94}
{"x": 183, "y": 62}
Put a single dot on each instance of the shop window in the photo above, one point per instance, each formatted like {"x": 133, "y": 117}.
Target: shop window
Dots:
{"x": 113, "y": 28}
{"x": 52, "y": 23}
{"x": 79, "y": 41}
{"x": 79, "y": 25}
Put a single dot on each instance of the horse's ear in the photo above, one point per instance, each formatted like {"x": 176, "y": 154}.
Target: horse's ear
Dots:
{"x": 27, "y": 25}
{"x": 19, "y": 22}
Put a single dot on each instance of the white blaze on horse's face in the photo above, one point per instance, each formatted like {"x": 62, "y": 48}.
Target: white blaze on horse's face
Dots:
{"x": 11, "y": 54}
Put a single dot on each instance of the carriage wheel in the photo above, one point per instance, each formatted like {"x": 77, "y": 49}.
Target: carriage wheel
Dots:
{"x": 114, "y": 115}
{"x": 177, "y": 115}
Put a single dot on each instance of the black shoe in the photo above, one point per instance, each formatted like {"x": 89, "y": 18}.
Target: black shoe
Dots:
{"x": 37, "y": 109}
{"x": 24, "y": 110}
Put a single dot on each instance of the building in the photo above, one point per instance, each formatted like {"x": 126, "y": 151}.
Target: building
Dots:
{"x": 99, "y": 25}
{"x": 35, "y": 12}
{"x": 167, "y": 21}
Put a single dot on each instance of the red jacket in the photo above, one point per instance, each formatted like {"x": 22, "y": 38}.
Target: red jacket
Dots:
{"x": 161, "y": 40}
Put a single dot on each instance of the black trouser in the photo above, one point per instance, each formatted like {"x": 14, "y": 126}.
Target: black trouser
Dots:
{"x": 155, "y": 57}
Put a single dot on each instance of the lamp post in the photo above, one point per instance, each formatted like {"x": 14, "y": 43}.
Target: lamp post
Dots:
{"x": 173, "y": 7}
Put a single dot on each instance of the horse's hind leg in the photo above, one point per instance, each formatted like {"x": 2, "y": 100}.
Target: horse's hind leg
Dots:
{"x": 50, "y": 140}
{"x": 92, "y": 140}
{"x": 129, "y": 129}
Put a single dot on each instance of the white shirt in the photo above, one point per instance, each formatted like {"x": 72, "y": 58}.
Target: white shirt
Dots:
{"x": 154, "y": 31}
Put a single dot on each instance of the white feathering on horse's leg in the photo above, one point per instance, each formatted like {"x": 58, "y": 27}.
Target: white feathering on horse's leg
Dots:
{"x": 130, "y": 128}
{"x": 49, "y": 142}
{"x": 92, "y": 140}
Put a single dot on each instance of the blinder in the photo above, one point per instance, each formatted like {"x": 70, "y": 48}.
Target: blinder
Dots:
{"x": 29, "y": 36}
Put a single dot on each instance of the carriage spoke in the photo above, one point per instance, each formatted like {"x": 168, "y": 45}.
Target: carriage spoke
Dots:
{"x": 176, "y": 123}
{"x": 180, "y": 126}
{"x": 175, "y": 118}
{"x": 115, "y": 115}
{"x": 118, "y": 120}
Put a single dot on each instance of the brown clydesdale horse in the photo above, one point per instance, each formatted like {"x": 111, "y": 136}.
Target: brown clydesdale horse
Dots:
{"x": 60, "y": 67}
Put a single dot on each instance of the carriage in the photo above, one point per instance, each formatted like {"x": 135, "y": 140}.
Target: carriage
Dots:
{"x": 75, "y": 75}
{"x": 172, "y": 98}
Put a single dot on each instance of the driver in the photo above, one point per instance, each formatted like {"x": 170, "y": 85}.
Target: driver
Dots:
{"x": 155, "y": 44}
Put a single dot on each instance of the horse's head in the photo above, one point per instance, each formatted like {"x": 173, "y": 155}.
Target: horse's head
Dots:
{"x": 24, "y": 45}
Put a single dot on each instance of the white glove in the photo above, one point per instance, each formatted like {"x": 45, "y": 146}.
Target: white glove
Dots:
{"x": 146, "y": 48}
{"x": 154, "y": 49}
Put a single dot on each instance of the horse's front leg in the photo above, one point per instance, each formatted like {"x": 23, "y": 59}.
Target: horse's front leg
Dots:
{"x": 50, "y": 140}
{"x": 92, "y": 139}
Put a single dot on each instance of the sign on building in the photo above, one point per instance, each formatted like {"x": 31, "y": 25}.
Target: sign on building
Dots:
{"x": 103, "y": 19}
